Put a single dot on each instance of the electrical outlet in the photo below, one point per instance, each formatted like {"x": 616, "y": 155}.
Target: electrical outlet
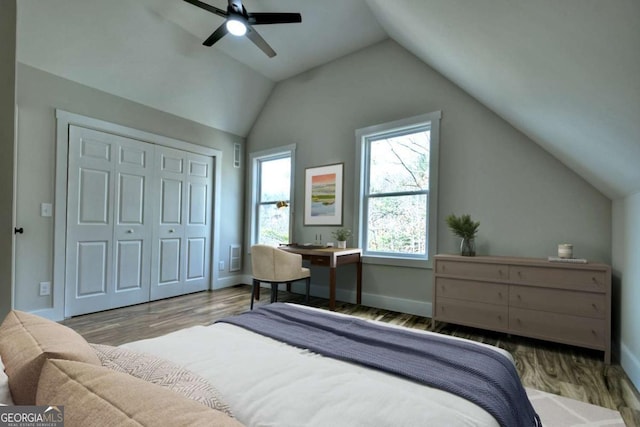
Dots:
{"x": 45, "y": 289}
{"x": 221, "y": 266}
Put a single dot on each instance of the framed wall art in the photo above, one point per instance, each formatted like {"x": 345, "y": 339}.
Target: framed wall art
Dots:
{"x": 323, "y": 187}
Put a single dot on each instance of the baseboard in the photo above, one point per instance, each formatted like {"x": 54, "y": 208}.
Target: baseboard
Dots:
{"x": 227, "y": 282}
{"x": 630, "y": 364}
{"x": 402, "y": 305}
{"x": 49, "y": 313}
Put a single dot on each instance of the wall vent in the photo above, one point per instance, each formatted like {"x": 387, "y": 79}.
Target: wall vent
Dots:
{"x": 236, "y": 155}
{"x": 235, "y": 258}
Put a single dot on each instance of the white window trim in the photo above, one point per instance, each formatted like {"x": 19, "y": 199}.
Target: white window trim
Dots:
{"x": 254, "y": 158}
{"x": 361, "y": 137}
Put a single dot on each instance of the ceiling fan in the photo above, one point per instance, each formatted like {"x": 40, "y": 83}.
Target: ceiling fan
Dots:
{"x": 239, "y": 23}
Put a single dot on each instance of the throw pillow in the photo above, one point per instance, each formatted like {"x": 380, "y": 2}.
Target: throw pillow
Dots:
{"x": 26, "y": 341}
{"x": 162, "y": 372}
{"x": 97, "y": 396}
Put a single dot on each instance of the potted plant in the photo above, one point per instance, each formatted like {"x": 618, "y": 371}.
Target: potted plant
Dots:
{"x": 467, "y": 229}
{"x": 341, "y": 235}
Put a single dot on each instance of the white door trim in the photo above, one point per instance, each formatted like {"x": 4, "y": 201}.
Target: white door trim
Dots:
{"x": 14, "y": 211}
{"x": 63, "y": 120}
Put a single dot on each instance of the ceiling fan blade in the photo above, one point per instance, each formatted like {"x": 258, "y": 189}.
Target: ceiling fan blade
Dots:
{"x": 208, "y": 7}
{"x": 217, "y": 35}
{"x": 257, "y": 39}
{"x": 273, "y": 18}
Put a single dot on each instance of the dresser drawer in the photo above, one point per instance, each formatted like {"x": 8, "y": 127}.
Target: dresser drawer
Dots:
{"x": 588, "y": 280}
{"x": 491, "y": 293}
{"x": 473, "y": 270}
{"x": 564, "y": 328}
{"x": 558, "y": 301}
{"x": 475, "y": 314}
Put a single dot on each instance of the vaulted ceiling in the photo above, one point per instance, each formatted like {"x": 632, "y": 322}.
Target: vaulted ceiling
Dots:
{"x": 566, "y": 73}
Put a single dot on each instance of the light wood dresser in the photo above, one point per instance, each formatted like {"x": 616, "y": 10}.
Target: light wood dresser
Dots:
{"x": 568, "y": 303}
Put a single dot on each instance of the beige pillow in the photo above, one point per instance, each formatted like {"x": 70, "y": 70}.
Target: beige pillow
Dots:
{"x": 161, "y": 372}
{"x": 97, "y": 396}
{"x": 5, "y": 394}
{"x": 26, "y": 341}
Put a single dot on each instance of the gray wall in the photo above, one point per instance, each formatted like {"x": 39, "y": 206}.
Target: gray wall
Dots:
{"x": 7, "y": 127}
{"x": 526, "y": 201}
{"x": 39, "y": 94}
{"x": 626, "y": 268}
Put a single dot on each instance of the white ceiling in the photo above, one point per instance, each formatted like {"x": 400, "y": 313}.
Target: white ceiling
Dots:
{"x": 566, "y": 73}
{"x": 329, "y": 29}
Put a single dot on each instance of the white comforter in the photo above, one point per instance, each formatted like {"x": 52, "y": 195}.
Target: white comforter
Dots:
{"x": 268, "y": 383}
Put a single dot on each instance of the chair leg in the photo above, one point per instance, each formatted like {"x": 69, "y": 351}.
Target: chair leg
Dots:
{"x": 253, "y": 291}
{"x": 308, "y": 284}
{"x": 274, "y": 292}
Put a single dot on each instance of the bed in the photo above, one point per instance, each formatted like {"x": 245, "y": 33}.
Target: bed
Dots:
{"x": 267, "y": 382}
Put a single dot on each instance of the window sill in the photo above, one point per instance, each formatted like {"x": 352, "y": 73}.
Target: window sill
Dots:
{"x": 397, "y": 261}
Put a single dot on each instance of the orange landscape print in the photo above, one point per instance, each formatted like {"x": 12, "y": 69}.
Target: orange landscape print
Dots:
{"x": 323, "y": 194}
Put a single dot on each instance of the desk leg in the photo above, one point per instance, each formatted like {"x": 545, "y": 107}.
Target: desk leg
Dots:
{"x": 332, "y": 288}
{"x": 359, "y": 283}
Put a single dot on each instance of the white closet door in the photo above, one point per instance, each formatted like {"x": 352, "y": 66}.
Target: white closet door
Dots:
{"x": 182, "y": 234}
{"x": 109, "y": 223}
{"x": 198, "y": 216}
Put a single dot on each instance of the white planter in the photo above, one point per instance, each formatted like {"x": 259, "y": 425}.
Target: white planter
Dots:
{"x": 342, "y": 244}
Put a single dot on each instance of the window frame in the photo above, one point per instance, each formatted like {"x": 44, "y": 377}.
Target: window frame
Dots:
{"x": 373, "y": 133}
{"x": 255, "y": 161}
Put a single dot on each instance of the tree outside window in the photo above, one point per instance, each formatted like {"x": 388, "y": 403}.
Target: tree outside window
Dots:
{"x": 395, "y": 187}
{"x": 272, "y": 197}
{"x": 397, "y": 194}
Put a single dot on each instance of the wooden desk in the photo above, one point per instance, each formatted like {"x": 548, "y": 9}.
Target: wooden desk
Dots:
{"x": 332, "y": 258}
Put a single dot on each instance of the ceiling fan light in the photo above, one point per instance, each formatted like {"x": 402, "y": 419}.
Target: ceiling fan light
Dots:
{"x": 236, "y": 27}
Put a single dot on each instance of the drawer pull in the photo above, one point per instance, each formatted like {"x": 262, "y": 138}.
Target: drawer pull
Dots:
{"x": 500, "y": 294}
{"x": 500, "y": 272}
{"x": 519, "y": 297}
{"x": 595, "y": 307}
{"x": 499, "y": 317}
{"x": 594, "y": 332}
{"x": 520, "y": 274}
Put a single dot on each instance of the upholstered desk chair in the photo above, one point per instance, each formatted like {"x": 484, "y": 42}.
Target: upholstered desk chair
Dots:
{"x": 275, "y": 266}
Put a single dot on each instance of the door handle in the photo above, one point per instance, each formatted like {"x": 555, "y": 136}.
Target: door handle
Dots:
{"x": 17, "y": 230}
{"x": 171, "y": 230}
{"x": 130, "y": 231}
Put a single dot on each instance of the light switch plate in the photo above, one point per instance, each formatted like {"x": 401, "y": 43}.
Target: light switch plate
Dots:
{"x": 46, "y": 209}
{"x": 45, "y": 288}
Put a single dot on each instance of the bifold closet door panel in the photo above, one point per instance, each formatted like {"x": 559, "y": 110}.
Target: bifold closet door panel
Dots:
{"x": 181, "y": 249}
{"x": 109, "y": 225}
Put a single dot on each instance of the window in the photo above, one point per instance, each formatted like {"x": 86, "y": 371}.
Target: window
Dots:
{"x": 272, "y": 196}
{"x": 398, "y": 164}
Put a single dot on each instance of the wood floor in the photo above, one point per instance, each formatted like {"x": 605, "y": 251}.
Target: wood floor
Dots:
{"x": 568, "y": 371}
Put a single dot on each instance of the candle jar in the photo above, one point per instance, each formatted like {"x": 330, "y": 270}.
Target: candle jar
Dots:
{"x": 565, "y": 250}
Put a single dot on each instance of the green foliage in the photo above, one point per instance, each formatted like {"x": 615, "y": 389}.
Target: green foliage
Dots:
{"x": 463, "y": 226}
{"x": 341, "y": 234}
